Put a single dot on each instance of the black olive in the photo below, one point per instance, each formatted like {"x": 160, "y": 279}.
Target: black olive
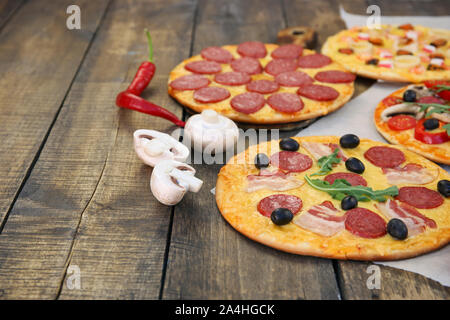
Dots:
{"x": 397, "y": 229}
{"x": 355, "y": 165}
{"x": 349, "y": 202}
{"x": 261, "y": 160}
{"x": 349, "y": 141}
{"x": 431, "y": 124}
{"x": 289, "y": 144}
{"x": 444, "y": 188}
{"x": 281, "y": 216}
{"x": 372, "y": 61}
{"x": 409, "y": 96}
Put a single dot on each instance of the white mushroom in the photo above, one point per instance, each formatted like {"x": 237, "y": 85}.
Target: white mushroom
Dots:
{"x": 421, "y": 91}
{"x": 401, "y": 108}
{"x": 211, "y": 131}
{"x": 152, "y": 146}
{"x": 171, "y": 180}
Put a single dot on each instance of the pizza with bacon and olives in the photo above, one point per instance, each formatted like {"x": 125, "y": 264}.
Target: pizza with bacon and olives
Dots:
{"x": 261, "y": 83}
{"x": 418, "y": 117}
{"x": 340, "y": 198}
{"x": 403, "y": 53}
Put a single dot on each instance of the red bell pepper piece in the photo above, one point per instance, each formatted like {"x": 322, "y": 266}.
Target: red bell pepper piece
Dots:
{"x": 430, "y": 137}
{"x": 437, "y": 86}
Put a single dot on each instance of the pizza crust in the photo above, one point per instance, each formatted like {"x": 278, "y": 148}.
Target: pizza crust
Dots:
{"x": 239, "y": 209}
{"x": 436, "y": 152}
{"x": 312, "y": 109}
{"x": 353, "y": 64}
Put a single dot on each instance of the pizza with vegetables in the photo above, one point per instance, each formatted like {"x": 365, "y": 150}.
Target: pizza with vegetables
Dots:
{"x": 418, "y": 117}
{"x": 261, "y": 83}
{"x": 340, "y": 198}
{"x": 403, "y": 53}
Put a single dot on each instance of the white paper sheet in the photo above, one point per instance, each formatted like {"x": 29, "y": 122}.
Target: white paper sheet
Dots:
{"x": 357, "y": 117}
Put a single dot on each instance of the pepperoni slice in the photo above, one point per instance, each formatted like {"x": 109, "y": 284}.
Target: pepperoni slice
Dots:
{"x": 385, "y": 157}
{"x": 263, "y": 86}
{"x": 318, "y": 92}
{"x": 291, "y": 161}
{"x": 217, "y": 54}
{"x": 232, "y": 78}
{"x": 203, "y": 67}
{"x": 430, "y": 99}
{"x": 278, "y": 66}
{"x": 248, "y": 102}
{"x": 420, "y": 197}
{"x": 189, "y": 82}
{"x": 365, "y": 223}
{"x": 285, "y": 102}
{"x": 288, "y": 51}
{"x": 211, "y": 94}
{"x": 335, "y": 76}
{"x": 252, "y": 49}
{"x": 293, "y": 79}
{"x": 275, "y": 201}
{"x": 315, "y": 60}
{"x": 246, "y": 65}
{"x": 352, "y": 178}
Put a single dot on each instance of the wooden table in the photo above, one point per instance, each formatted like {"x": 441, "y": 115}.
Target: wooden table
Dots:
{"x": 73, "y": 193}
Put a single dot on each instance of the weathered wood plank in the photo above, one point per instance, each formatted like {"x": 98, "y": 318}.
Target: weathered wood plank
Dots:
{"x": 7, "y": 9}
{"x": 39, "y": 57}
{"x": 395, "y": 284}
{"x": 122, "y": 235}
{"x": 208, "y": 259}
{"x": 88, "y": 183}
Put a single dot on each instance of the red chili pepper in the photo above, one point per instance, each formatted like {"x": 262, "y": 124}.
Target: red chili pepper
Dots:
{"x": 428, "y": 137}
{"x": 145, "y": 72}
{"x": 131, "y": 101}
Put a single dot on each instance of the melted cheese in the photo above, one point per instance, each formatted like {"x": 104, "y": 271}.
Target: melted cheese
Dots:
{"x": 266, "y": 114}
{"x": 239, "y": 209}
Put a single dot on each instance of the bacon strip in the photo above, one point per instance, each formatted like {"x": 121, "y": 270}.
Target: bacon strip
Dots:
{"x": 410, "y": 173}
{"x": 273, "y": 180}
{"x": 322, "y": 219}
{"x": 319, "y": 150}
{"x": 414, "y": 220}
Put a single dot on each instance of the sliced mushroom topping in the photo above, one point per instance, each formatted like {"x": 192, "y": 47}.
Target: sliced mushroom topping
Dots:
{"x": 171, "y": 180}
{"x": 402, "y": 108}
{"x": 421, "y": 91}
{"x": 152, "y": 146}
{"x": 444, "y": 117}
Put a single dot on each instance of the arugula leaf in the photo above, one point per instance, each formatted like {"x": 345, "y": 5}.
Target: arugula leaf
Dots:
{"x": 326, "y": 163}
{"x": 433, "y": 107}
{"x": 341, "y": 188}
{"x": 441, "y": 87}
{"x": 447, "y": 127}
